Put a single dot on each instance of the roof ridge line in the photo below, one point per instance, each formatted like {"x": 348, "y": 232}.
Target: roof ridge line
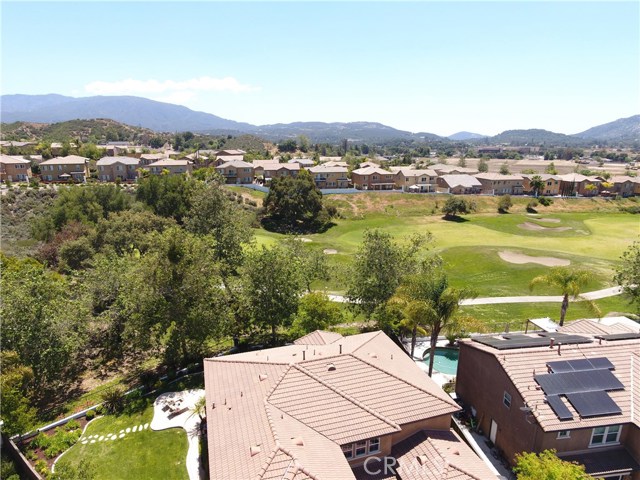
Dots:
{"x": 255, "y": 362}
{"x": 276, "y": 438}
{"x": 449, "y": 400}
{"x": 372, "y": 337}
{"x": 268, "y": 461}
{"x": 275, "y": 385}
{"x": 348, "y": 397}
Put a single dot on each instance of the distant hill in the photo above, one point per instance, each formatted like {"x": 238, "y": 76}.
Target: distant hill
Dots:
{"x": 623, "y": 129}
{"x": 535, "y": 137}
{"x": 158, "y": 116}
{"x": 166, "y": 117}
{"x": 94, "y": 131}
{"x": 461, "y": 136}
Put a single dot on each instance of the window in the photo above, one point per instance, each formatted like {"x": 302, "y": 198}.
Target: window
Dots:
{"x": 605, "y": 435}
{"x": 564, "y": 434}
{"x": 506, "y": 399}
{"x": 361, "y": 448}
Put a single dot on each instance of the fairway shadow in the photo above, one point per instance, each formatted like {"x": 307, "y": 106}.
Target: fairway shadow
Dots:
{"x": 455, "y": 219}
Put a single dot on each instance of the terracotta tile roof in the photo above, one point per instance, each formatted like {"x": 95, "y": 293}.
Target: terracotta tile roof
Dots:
{"x": 167, "y": 162}
{"x": 496, "y": 176}
{"x": 68, "y": 160}
{"x": 318, "y": 337}
{"x": 12, "y": 159}
{"x": 593, "y": 327}
{"x": 114, "y": 160}
{"x": 522, "y": 364}
{"x": 462, "y": 180}
{"x": 371, "y": 171}
{"x": 282, "y": 410}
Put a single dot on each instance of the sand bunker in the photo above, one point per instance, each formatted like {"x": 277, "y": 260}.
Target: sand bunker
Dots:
{"x": 520, "y": 258}
{"x": 535, "y": 227}
{"x": 305, "y": 240}
{"x": 330, "y": 251}
{"x": 550, "y": 220}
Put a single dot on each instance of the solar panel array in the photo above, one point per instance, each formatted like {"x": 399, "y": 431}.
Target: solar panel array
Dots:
{"x": 584, "y": 382}
{"x": 509, "y": 342}
{"x": 619, "y": 336}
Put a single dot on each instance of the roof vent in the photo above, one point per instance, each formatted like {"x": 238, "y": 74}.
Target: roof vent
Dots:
{"x": 254, "y": 450}
{"x": 422, "y": 459}
{"x": 262, "y": 376}
{"x": 298, "y": 441}
{"x": 331, "y": 367}
{"x": 373, "y": 355}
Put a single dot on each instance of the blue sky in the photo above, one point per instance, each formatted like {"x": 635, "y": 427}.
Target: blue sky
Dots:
{"x": 437, "y": 67}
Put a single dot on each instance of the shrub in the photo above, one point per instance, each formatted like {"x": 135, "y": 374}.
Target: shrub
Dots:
{"x": 99, "y": 410}
{"x": 504, "y": 204}
{"x": 545, "y": 201}
{"x": 42, "y": 468}
{"x": 113, "y": 399}
{"x": 41, "y": 441}
{"x": 531, "y": 206}
{"x": 90, "y": 415}
{"x": 457, "y": 205}
{"x": 61, "y": 441}
{"x": 71, "y": 425}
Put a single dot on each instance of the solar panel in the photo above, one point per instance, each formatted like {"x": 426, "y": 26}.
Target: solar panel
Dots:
{"x": 576, "y": 382}
{"x": 619, "y": 336}
{"x": 508, "y": 342}
{"x": 580, "y": 365}
{"x": 593, "y": 404}
{"x": 558, "y": 406}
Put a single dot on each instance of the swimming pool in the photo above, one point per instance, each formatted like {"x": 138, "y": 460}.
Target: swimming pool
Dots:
{"x": 445, "y": 361}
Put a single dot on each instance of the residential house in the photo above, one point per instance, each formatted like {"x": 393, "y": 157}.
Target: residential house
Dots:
{"x": 220, "y": 159}
{"x": 56, "y": 148}
{"x": 173, "y": 167}
{"x": 330, "y": 177}
{"x": 489, "y": 150}
{"x": 124, "y": 169}
{"x": 331, "y": 407}
{"x": 499, "y": 184}
{"x": 575, "y": 393}
{"x": 443, "y": 169}
{"x": 336, "y": 163}
{"x": 372, "y": 178}
{"x": 622, "y": 185}
{"x": 551, "y": 184}
{"x": 303, "y": 162}
{"x": 413, "y": 180}
{"x": 458, "y": 184}
{"x": 14, "y": 169}
{"x": 574, "y": 184}
{"x": 369, "y": 164}
{"x": 236, "y": 172}
{"x": 71, "y": 168}
{"x": 147, "y": 158}
{"x": 260, "y": 165}
{"x": 276, "y": 170}
{"x": 324, "y": 159}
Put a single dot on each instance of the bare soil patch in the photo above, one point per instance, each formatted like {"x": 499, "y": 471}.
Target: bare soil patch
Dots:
{"x": 521, "y": 258}
{"x": 330, "y": 251}
{"x": 535, "y": 227}
{"x": 549, "y": 220}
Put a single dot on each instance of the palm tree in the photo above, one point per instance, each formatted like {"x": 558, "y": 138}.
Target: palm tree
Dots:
{"x": 537, "y": 184}
{"x": 431, "y": 304}
{"x": 200, "y": 408}
{"x": 570, "y": 282}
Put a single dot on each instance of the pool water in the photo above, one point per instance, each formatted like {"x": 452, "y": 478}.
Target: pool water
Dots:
{"x": 445, "y": 361}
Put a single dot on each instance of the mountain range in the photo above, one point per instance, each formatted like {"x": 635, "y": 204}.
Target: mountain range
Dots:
{"x": 166, "y": 117}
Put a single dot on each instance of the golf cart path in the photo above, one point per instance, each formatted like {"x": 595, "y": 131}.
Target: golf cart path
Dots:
{"x": 595, "y": 295}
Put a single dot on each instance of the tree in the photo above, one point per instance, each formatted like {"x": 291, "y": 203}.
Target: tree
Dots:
{"x": 166, "y": 195}
{"x": 504, "y": 169}
{"x": 483, "y": 166}
{"x": 293, "y": 204}
{"x": 537, "y": 184}
{"x": 551, "y": 169}
{"x": 569, "y": 282}
{"x": 456, "y": 205}
{"x": 628, "y": 273}
{"x": 287, "y": 146}
{"x": 315, "y": 312}
{"x": 504, "y": 204}
{"x": 435, "y": 302}
{"x": 303, "y": 143}
{"x": 18, "y": 414}
{"x": 212, "y": 213}
{"x": 462, "y": 162}
{"x": 312, "y": 263}
{"x": 378, "y": 268}
{"x": 272, "y": 288}
{"x": 547, "y": 466}
{"x": 44, "y": 320}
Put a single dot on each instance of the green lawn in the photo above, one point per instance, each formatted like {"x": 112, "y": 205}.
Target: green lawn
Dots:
{"x": 516, "y": 314}
{"x": 146, "y": 454}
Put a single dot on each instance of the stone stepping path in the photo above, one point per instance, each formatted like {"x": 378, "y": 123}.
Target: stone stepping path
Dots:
{"x": 112, "y": 436}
